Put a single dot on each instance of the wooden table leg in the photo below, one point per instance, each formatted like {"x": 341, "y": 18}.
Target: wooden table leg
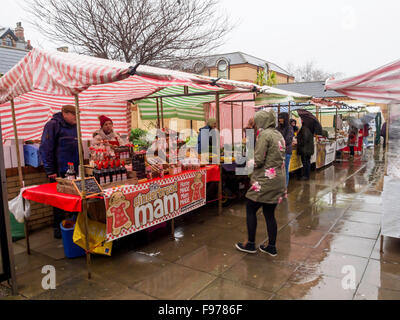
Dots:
{"x": 26, "y": 229}
{"x": 381, "y": 250}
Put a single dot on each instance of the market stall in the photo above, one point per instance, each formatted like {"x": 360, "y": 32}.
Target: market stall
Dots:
{"x": 55, "y": 79}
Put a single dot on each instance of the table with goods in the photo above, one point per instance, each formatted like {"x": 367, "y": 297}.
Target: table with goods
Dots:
{"x": 129, "y": 190}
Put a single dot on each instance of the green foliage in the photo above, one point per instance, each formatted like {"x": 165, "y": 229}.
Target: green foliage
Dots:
{"x": 261, "y": 79}
{"x": 264, "y": 79}
{"x": 272, "y": 80}
{"x": 137, "y": 134}
{"x": 138, "y": 137}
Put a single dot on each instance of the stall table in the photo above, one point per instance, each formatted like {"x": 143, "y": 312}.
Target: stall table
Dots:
{"x": 131, "y": 208}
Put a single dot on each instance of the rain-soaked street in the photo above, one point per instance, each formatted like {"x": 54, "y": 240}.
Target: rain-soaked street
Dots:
{"x": 328, "y": 248}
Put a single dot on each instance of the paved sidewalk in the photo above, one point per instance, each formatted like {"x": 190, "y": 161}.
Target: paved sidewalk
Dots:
{"x": 328, "y": 229}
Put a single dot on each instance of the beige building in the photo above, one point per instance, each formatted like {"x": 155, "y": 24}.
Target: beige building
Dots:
{"x": 237, "y": 66}
{"x": 233, "y": 66}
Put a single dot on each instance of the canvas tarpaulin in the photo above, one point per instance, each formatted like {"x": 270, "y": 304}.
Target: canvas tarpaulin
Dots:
{"x": 381, "y": 85}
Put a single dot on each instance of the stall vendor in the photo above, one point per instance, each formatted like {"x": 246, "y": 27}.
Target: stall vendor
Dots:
{"x": 206, "y": 135}
{"x": 106, "y": 133}
{"x": 59, "y": 146}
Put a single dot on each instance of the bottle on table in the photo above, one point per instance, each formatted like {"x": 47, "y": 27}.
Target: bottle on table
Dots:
{"x": 106, "y": 172}
{"x": 102, "y": 174}
{"x": 70, "y": 174}
{"x": 112, "y": 172}
{"x": 96, "y": 172}
{"x": 124, "y": 172}
{"x": 117, "y": 170}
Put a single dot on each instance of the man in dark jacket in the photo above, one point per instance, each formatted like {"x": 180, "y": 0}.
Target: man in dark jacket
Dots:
{"x": 59, "y": 146}
{"x": 305, "y": 149}
{"x": 205, "y": 137}
{"x": 287, "y": 132}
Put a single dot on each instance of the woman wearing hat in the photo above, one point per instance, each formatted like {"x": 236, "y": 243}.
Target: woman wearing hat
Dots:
{"x": 106, "y": 133}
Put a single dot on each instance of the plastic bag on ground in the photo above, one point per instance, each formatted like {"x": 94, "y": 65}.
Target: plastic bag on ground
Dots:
{"x": 97, "y": 236}
{"x": 16, "y": 207}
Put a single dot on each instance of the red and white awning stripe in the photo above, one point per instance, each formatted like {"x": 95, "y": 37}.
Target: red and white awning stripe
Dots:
{"x": 31, "y": 118}
{"x": 381, "y": 85}
{"x": 42, "y": 82}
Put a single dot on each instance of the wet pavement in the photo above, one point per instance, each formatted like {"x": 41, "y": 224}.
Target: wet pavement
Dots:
{"x": 328, "y": 248}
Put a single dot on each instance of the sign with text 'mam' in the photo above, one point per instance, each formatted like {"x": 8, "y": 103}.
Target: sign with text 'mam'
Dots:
{"x": 133, "y": 208}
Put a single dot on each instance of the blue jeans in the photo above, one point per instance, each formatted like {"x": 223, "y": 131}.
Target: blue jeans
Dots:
{"x": 287, "y": 164}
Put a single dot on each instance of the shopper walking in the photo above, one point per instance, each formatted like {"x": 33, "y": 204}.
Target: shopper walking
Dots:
{"x": 352, "y": 141}
{"x": 305, "y": 149}
{"x": 383, "y": 134}
{"x": 267, "y": 182}
{"x": 287, "y": 132}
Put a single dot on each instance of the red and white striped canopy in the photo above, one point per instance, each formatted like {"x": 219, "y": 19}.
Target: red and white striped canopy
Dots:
{"x": 381, "y": 85}
{"x": 42, "y": 82}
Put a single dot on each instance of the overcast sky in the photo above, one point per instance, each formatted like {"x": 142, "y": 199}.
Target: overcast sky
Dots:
{"x": 348, "y": 36}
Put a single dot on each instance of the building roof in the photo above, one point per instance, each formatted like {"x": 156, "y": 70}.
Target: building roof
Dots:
{"x": 4, "y": 31}
{"x": 313, "y": 88}
{"x": 9, "y": 57}
{"x": 235, "y": 58}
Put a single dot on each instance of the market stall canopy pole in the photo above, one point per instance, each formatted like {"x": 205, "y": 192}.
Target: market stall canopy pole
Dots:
{"x": 381, "y": 85}
{"x": 218, "y": 152}
{"x": 82, "y": 174}
{"x": 20, "y": 175}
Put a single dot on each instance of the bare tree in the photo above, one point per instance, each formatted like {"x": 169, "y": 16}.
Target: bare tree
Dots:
{"x": 139, "y": 31}
{"x": 309, "y": 72}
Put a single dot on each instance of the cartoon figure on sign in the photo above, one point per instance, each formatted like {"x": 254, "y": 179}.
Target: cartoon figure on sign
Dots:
{"x": 117, "y": 211}
{"x": 196, "y": 187}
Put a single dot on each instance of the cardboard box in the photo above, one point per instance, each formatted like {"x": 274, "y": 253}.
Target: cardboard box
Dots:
{"x": 7, "y": 156}
{"x": 12, "y": 144}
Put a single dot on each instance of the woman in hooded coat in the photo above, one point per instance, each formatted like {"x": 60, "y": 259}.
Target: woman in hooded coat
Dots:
{"x": 268, "y": 182}
{"x": 287, "y": 132}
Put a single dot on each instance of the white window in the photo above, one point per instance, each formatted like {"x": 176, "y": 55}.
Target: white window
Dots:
{"x": 222, "y": 68}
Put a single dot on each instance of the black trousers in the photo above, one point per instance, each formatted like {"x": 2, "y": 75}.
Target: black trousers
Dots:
{"x": 269, "y": 214}
{"x": 306, "y": 161}
{"x": 351, "y": 150}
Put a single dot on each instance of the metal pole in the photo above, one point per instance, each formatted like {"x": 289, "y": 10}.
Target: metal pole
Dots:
{"x": 162, "y": 113}
{"x": 387, "y": 140}
{"x": 7, "y": 226}
{"x": 233, "y": 137}
{"x": 336, "y": 122}
{"x": 158, "y": 115}
{"x": 289, "y": 110}
{"x": 82, "y": 174}
{"x": 21, "y": 178}
{"x": 219, "y": 146}
{"x": 242, "y": 121}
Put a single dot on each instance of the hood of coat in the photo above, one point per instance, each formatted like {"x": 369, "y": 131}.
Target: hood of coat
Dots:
{"x": 60, "y": 119}
{"x": 265, "y": 120}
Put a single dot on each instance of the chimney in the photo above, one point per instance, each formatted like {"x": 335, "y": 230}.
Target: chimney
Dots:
{"x": 62, "y": 49}
{"x": 19, "y": 32}
{"x": 28, "y": 45}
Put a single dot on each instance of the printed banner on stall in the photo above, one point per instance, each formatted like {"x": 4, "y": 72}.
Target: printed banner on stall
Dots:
{"x": 341, "y": 143}
{"x": 326, "y": 154}
{"x": 133, "y": 208}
